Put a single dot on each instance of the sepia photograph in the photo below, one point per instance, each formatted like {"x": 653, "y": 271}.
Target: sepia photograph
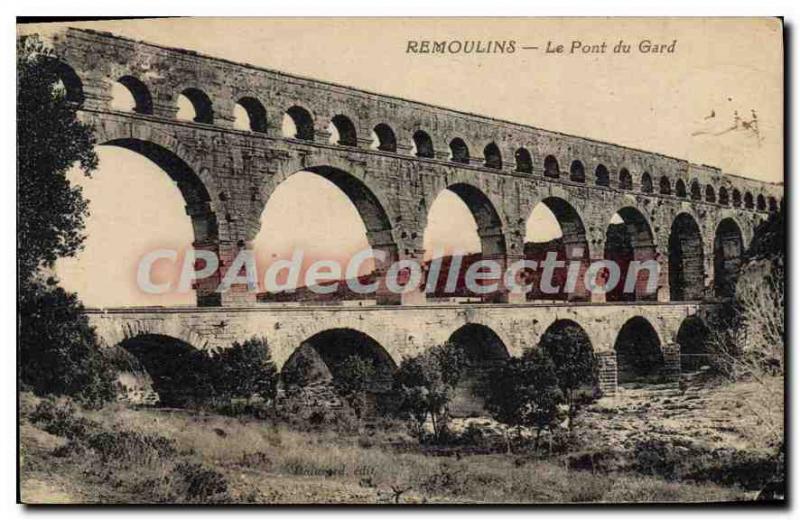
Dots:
{"x": 401, "y": 261}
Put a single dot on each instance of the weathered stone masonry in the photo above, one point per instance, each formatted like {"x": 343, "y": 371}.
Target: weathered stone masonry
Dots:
{"x": 502, "y": 170}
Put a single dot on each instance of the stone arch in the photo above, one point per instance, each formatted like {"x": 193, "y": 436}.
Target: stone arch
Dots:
{"x": 73, "y": 86}
{"x": 164, "y": 365}
{"x": 492, "y": 157}
{"x": 680, "y": 188}
{"x": 625, "y": 179}
{"x": 723, "y": 196}
{"x": 686, "y": 260}
{"x": 601, "y": 176}
{"x": 317, "y": 363}
{"x": 626, "y": 242}
{"x": 256, "y": 113}
{"x": 693, "y": 336}
{"x": 459, "y": 151}
{"x": 423, "y": 144}
{"x": 748, "y": 200}
{"x": 664, "y": 186}
{"x": 711, "y": 196}
{"x": 695, "y": 191}
{"x": 647, "y": 183}
{"x": 303, "y": 123}
{"x": 203, "y": 109}
{"x": 577, "y": 172}
{"x": 551, "y": 168}
{"x": 773, "y": 205}
{"x": 490, "y": 225}
{"x": 761, "y": 205}
{"x": 524, "y": 162}
{"x": 563, "y": 331}
{"x": 728, "y": 250}
{"x": 143, "y": 101}
{"x": 387, "y": 141}
{"x": 639, "y": 352}
{"x": 737, "y": 198}
{"x": 346, "y": 130}
{"x": 484, "y": 351}
{"x": 572, "y": 246}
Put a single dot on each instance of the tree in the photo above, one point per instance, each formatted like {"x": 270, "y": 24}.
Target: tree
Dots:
{"x": 524, "y": 392}
{"x": 352, "y": 381}
{"x": 245, "y": 370}
{"x": 571, "y": 353}
{"x": 50, "y": 139}
{"x": 58, "y": 350}
{"x": 424, "y": 385}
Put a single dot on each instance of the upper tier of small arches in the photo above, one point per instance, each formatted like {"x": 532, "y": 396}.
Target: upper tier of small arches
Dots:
{"x": 300, "y": 123}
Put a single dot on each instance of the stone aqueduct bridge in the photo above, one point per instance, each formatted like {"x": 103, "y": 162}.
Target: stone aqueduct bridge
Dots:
{"x": 392, "y": 158}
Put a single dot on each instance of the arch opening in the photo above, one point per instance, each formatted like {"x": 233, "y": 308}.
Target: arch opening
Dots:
{"x": 773, "y": 205}
{"x": 555, "y": 228}
{"x": 250, "y": 114}
{"x": 159, "y": 369}
{"x": 383, "y": 138}
{"x": 710, "y": 195}
{"x": 463, "y": 228}
{"x": 639, "y": 355}
{"x": 728, "y": 249}
{"x": 577, "y": 172}
{"x": 629, "y": 244}
{"x": 569, "y": 347}
{"x": 601, "y": 176}
{"x": 423, "y": 145}
{"x": 625, "y": 179}
{"x": 194, "y": 105}
{"x": 172, "y": 212}
{"x": 748, "y": 200}
{"x": 647, "y": 183}
{"x": 129, "y": 94}
{"x": 343, "y": 131}
{"x": 551, "y": 168}
{"x": 68, "y": 83}
{"x": 492, "y": 157}
{"x": 664, "y": 186}
{"x": 354, "y": 221}
{"x": 723, "y": 196}
{"x": 737, "y": 198}
{"x": 693, "y": 337}
{"x": 483, "y": 351}
{"x": 298, "y": 124}
{"x": 524, "y": 161}
{"x": 680, "y": 188}
{"x": 320, "y": 363}
{"x": 695, "y": 191}
{"x": 459, "y": 152}
{"x": 761, "y": 205}
{"x": 686, "y": 273}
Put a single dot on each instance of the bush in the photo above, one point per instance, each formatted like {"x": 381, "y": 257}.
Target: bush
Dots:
{"x": 59, "y": 352}
{"x": 61, "y": 420}
{"x": 200, "y": 482}
{"x": 424, "y": 384}
{"x": 524, "y": 392}
{"x": 244, "y": 370}
{"x": 131, "y": 447}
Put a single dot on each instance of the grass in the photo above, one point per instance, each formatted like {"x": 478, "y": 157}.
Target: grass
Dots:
{"x": 120, "y": 454}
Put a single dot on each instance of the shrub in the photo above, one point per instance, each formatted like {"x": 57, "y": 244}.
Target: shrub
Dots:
{"x": 353, "y": 377}
{"x": 60, "y": 419}
{"x": 524, "y": 392}
{"x": 59, "y": 352}
{"x": 244, "y": 370}
{"x": 424, "y": 384}
{"x": 201, "y": 483}
{"x": 131, "y": 447}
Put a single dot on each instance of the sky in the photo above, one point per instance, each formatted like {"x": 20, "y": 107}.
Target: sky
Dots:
{"x": 658, "y": 102}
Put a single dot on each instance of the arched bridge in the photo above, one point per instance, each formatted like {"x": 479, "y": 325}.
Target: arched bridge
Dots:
{"x": 392, "y": 157}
